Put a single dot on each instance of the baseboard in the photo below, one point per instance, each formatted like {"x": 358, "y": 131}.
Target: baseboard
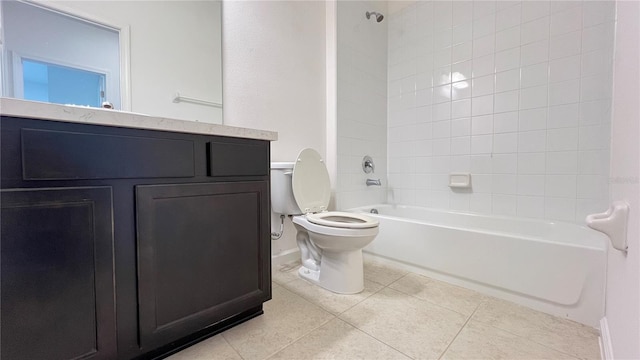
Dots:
{"x": 285, "y": 257}
{"x": 606, "y": 350}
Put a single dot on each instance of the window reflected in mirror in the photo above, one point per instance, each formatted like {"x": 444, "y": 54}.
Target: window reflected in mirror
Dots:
{"x": 52, "y": 63}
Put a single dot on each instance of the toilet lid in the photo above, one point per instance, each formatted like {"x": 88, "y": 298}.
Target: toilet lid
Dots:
{"x": 310, "y": 182}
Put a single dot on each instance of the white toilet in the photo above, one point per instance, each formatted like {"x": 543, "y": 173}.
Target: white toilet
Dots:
{"x": 330, "y": 242}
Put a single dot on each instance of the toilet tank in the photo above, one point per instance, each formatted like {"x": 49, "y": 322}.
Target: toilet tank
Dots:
{"x": 282, "y": 200}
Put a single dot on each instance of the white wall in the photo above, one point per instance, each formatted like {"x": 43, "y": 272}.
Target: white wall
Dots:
{"x": 623, "y": 275}
{"x": 274, "y": 77}
{"x": 175, "y": 46}
{"x": 516, "y": 93}
{"x": 361, "y": 102}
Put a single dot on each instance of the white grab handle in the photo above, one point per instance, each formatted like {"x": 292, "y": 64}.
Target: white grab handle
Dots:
{"x": 613, "y": 223}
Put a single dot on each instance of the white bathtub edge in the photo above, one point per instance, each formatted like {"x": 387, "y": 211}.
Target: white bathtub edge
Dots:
{"x": 606, "y": 349}
{"x": 529, "y": 302}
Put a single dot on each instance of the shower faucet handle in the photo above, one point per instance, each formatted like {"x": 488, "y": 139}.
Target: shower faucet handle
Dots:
{"x": 367, "y": 165}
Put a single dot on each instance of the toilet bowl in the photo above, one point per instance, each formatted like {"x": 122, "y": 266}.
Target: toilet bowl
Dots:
{"x": 330, "y": 242}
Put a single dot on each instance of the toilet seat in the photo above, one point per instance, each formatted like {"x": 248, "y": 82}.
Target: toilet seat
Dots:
{"x": 342, "y": 219}
{"x": 312, "y": 192}
{"x": 310, "y": 182}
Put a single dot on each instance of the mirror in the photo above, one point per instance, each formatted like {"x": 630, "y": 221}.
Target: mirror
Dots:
{"x": 161, "y": 58}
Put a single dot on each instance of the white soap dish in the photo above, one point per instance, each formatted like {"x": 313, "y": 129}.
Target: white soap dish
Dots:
{"x": 460, "y": 180}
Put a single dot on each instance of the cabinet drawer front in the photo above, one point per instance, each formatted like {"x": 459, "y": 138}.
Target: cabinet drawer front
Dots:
{"x": 231, "y": 159}
{"x": 59, "y": 155}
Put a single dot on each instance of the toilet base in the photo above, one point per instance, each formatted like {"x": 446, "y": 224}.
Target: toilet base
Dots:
{"x": 340, "y": 272}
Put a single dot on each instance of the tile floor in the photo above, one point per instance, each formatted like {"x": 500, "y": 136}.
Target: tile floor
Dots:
{"x": 399, "y": 315}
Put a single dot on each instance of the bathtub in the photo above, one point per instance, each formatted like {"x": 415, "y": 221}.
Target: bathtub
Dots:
{"x": 555, "y": 267}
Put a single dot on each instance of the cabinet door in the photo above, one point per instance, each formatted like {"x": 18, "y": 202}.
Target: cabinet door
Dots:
{"x": 57, "y": 285}
{"x": 203, "y": 255}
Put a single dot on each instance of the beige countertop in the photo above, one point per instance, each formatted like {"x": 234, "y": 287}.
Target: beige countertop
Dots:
{"x": 97, "y": 116}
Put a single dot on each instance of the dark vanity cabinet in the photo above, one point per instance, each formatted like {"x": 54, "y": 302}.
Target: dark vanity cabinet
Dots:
{"x": 125, "y": 243}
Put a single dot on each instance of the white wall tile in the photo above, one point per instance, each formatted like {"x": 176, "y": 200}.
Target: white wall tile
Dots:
{"x": 506, "y": 143}
{"x": 560, "y": 208}
{"x": 564, "y": 69}
{"x": 566, "y": 21}
{"x": 462, "y": 52}
{"x": 508, "y": 80}
{"x": 530, "y": 206}
{"x": 535, "y": 30}
{"x": 565, "y": 45}
{"x": 505, "y": 122}
{"x": 462, "y": 12}
{"x": 461, "y": 109}
{"x": 563, "y": 116}
{"x": 442, "y": 94}
{"x": 481, "y": 125}
{"x": 595, "y": 112}
{"x": 461, "y": 145}
{"x": 504, "y": 204}
{"x": 462, "y": 33}
{"x": 481, "y": 183}
{"x": 481, "y": 144}
{"x": 595, "y": 62}
{"x": 480, "y": 203}
{"x": 561, "y": 185}
{"x": 506, "y": 101}
{"x": 562, "y": 139}
{"x": 591, "y": 186}
{"x": 484, "y": 45}
{"x": 597, "y": 12}
{"x": 534, "y": 75}
{"x": 504, "y": 163}
{"x": 517, "y": 93}
{"x": 508, "y": 17}
{"x": 483, "y": 8}
{"x": 441, "y": 111}
{"x": 482, "y": 105}
{"x": 533, "y": 119}
{"x": 484, "y": 26}
{"x": 534, "y": 9}
{"x": 562, "y": 162}
{"x": 504, "y": 184}
{"x": 508, "y": 38}
{"x": 533, "y": 163}
{"x": 532, "y": 141}
{"x": 441, "y": 129}
{"x": 596, "y": 87}
{"x": 591, "y": 137}
{"x": 485, "y": 65}
{"x": 482, "y": 85}
{"x": 533, "y": 97}
{"x": 507, "y": 60}
{"x": 597, "y": 37}
{"x": 565, "y": 92}
{"x": 461, "y": 127}
{"x": 534, "y": 53}
{"x": 531, "y": 185}
{"x": 481, "y": 164}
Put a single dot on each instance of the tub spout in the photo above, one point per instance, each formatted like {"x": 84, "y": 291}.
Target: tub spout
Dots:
{"x": 374, "y": 182}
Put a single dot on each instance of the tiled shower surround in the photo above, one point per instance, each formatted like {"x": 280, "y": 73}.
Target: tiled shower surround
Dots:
{"x": 362, "y": 102}
{"x": 516, "y": 93}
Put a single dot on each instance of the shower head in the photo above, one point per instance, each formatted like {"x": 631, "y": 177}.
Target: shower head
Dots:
{"x": 378, "y": 16}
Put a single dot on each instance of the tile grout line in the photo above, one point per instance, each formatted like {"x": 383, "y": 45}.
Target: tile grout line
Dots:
{"x": 230, "y": 345}
{"x": 459, "y": 331}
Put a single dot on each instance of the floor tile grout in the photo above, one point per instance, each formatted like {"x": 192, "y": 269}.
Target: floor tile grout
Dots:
{"x": 459, "y": 331}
